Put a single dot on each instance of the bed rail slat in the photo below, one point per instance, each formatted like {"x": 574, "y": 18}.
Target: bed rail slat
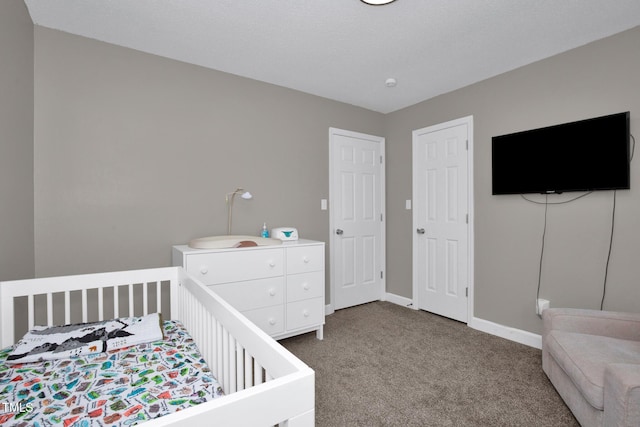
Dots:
{"x": 159, "y": 296}
{"x": 101, "y": 303}
{"x": 232, "y": 365}
{"x": 210, "y": 344}
{"x": 218, "y": 360}
{"x": 49, "y": 308}
{"x": 239, "y": 366}
{"x": 257, "y": 373}
{"x": 145, "y": 299}
{"x": 31, "y": 312}
{"x": 225, "y": 361}
{"x": 202, "y": 320}
{"x": 248, "y": 369}
{"x": 131, "y": 301}
{"x": 116, "y": 302}
{"x": 67, "y": 308}
{"x": 84, "y": 306}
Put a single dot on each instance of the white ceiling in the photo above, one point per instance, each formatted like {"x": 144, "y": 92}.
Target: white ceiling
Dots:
{"x": 343, "y": 49}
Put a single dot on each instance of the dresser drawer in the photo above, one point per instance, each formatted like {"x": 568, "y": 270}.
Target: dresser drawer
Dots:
{"x": 301, "y": 314}
{"x": 253, "y": 293}
{"x": 305, "y": 286}
{"x": 269, "y": 319}
{"x": 236, "y": 266}
{"x": 305, "y": 258}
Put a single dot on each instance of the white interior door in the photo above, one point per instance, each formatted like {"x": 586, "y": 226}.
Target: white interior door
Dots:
{"x": 357, "y": 217}
{"x": 441, "y": 250}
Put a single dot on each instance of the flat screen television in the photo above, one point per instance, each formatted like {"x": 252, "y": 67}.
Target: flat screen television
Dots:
{"x": 586, "y": 155}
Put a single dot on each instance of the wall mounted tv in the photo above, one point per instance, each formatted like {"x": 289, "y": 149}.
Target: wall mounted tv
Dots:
{"x": 586, "y": 155}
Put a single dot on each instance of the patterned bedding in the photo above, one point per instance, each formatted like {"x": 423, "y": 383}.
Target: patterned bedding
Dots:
{"x": 118, "y": 388}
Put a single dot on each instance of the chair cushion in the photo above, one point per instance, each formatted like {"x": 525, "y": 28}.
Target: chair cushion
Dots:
{"x": 584, "y": 357}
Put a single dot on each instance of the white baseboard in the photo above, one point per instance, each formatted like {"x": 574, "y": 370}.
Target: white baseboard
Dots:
{"x": 512, "y": 334}
{"x": 397, "y": 299}
{"x": 328, "y": 309}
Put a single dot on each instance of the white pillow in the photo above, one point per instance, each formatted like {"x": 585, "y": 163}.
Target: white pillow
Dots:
{"x": 61, "y": 342}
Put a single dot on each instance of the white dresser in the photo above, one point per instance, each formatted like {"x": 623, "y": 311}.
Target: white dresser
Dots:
{"x": 279, "y": 288}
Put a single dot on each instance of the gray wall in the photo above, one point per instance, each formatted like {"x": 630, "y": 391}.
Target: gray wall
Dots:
{"x": 135, "y": 153}
{"x": 16, "y": 141}
{"x": 596, "y": 79}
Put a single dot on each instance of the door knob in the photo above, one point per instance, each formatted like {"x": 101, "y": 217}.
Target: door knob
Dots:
{"x": 420, "y": 230}
{"x": 339, "y": 232}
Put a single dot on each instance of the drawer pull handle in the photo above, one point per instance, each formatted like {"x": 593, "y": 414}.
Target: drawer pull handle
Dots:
{"x": 272, "y": 292}
{"x": 305, "y": 313}
{"x": 305, "y": 286}
{"x": 306, "y": 260}
{"x": 272, "y": 321}
{"x": 272, "y": 264}
{"x": 204, "y": 270}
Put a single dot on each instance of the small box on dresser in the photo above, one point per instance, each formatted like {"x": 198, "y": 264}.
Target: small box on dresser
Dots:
{"x": 279, "y": 288}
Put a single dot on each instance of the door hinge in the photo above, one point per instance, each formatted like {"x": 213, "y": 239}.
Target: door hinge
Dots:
{"x": 382, "y": 275}
{"x": 466, "y": 292}
{"x": 380, "y": 159}
{"x": 467, "y": 219}
{"x": 467, "y": 145}
{"x": 381, "y": 217}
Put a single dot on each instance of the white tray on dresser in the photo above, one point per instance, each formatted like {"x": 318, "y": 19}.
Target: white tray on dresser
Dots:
{"x": 279, "y": 288}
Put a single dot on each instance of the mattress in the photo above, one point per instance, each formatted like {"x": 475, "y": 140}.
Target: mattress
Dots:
{"x": 118, "y": 388}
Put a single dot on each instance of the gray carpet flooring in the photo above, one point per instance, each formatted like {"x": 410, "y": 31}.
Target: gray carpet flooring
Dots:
{"x": 381, "y": 364}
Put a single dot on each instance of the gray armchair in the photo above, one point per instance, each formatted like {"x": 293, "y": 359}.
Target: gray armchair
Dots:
{"x": 593, "y": 360}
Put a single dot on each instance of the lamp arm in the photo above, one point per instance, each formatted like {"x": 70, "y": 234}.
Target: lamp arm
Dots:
{"x": 230, "y": 212}
{"x": 230, "y": 207}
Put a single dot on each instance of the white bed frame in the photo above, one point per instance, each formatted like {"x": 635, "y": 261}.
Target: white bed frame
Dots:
{"x": 264, "y": 384}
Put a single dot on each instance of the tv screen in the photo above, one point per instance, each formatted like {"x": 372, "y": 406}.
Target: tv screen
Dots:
{"x": 586, "y": 155}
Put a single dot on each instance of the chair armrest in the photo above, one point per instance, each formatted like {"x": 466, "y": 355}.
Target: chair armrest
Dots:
{"x": 605, "y": 323}
{"x": 622, "y": 395}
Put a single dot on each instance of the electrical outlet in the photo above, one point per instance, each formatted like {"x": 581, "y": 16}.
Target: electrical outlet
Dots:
{"x": 541, "y": 305}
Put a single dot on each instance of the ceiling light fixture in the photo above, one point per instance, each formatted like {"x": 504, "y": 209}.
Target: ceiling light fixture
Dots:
{"x": 377, "y": 2}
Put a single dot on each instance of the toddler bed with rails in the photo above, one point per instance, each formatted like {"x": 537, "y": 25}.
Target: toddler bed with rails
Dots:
{"x": 210, "y": 365}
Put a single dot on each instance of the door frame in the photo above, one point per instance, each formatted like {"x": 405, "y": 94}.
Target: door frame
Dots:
{"x": 381, "y": 194}
{"x": 468, "y": 120}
